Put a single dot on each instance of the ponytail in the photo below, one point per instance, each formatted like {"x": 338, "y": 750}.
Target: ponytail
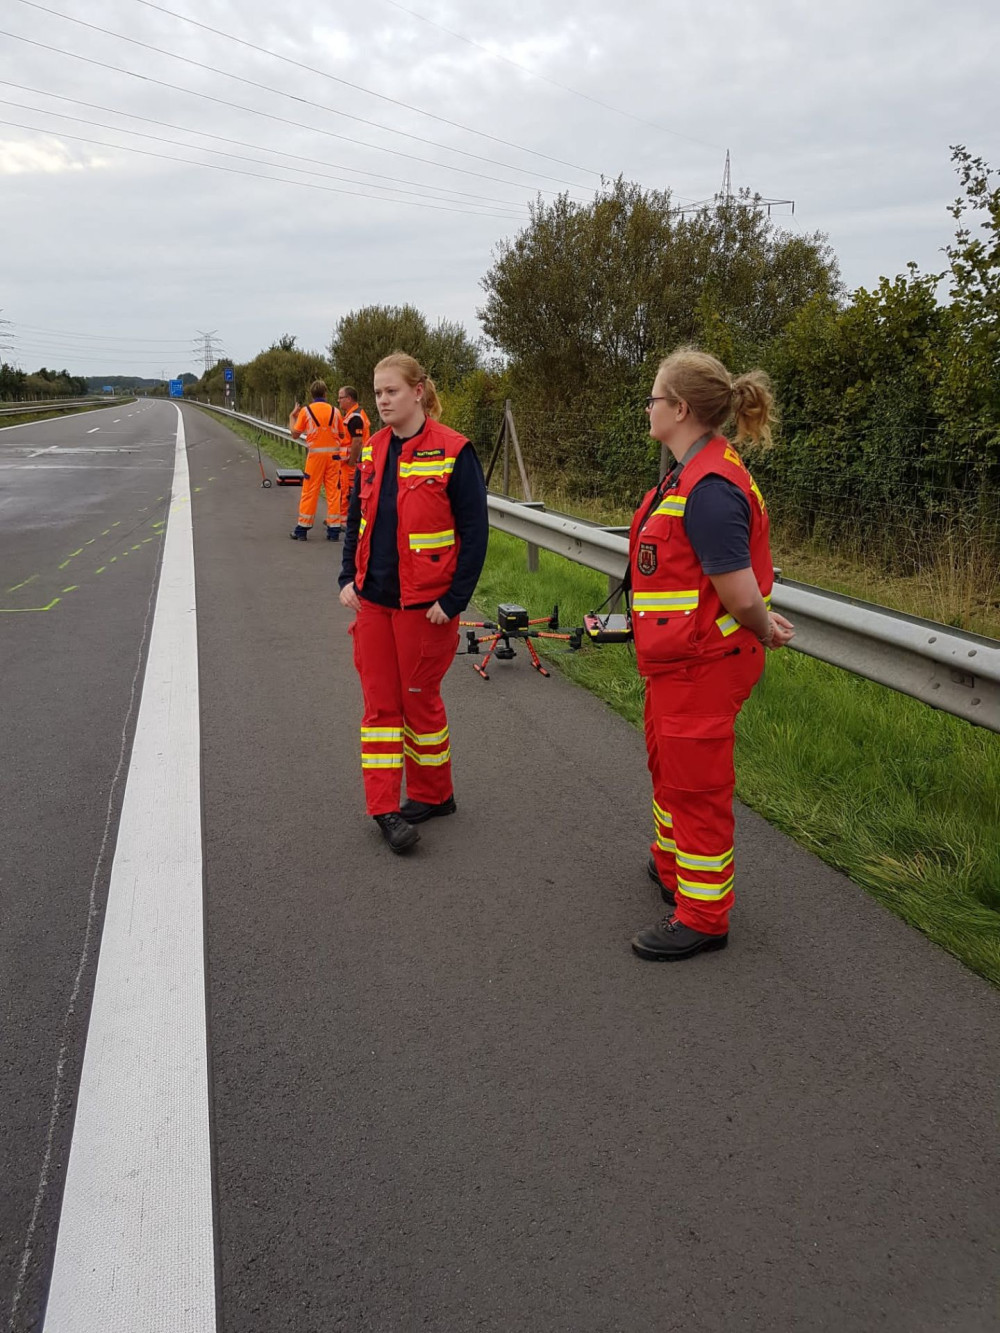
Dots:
{"x": 715, "y": 397}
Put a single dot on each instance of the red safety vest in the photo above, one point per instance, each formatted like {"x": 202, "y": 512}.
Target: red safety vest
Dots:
{"x": 676, "y": 612}
{"x": 425, "y": 529}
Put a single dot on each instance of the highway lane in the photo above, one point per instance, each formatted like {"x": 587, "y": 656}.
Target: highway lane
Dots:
{"x": 82, "y": 503}
{"x": 444, "y": 1093}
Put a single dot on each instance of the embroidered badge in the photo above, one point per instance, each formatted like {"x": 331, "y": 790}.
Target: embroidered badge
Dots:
{"x": 646, "y": 560}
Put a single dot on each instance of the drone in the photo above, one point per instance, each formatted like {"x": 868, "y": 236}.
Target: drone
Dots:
{"x": 513, "y": 622}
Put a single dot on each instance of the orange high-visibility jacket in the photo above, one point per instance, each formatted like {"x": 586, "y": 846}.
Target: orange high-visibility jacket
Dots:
{"x": 323, "y": 427}
{"x": 425, "y": 530}
{"x": 676, "y": 613}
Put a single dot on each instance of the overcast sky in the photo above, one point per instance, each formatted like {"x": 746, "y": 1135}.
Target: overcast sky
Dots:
{"x": 112, "y": 260}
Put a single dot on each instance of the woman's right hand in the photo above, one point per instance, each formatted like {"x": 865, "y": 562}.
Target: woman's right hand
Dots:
{"x": 780, "y": 631}
{"x": 349, "y": 597}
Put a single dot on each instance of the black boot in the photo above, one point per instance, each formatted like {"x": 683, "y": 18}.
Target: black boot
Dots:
{"x": 670, "y": 942}
{"x": 300, "y": 534}
{"x": 666, "y": 894}
{"x": 415, "y": 812}
{"x": 397, "y": 832}
{"x": 333, "y": 534}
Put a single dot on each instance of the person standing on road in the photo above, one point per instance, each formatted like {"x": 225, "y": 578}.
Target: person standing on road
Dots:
{"x": 323, "y": 428}
{"x": 357, "y": 429}
{"x": 417, "y": 531}
{"x": 701, "y": 576}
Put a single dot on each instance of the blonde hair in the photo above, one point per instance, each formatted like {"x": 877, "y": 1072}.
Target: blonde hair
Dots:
{"x": 715, "y": 397}
{"x": 413, "y": 372}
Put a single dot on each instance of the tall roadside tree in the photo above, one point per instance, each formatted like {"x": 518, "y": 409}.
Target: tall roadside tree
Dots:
{"x": 363, "y": 337}
{"x": 586, "y": 298}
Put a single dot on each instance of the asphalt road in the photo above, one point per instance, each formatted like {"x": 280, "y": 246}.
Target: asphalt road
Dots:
{"x": 444, "y": 1093}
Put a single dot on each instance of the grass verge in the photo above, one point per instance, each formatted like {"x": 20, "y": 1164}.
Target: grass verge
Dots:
{"x": 904, "y": 800}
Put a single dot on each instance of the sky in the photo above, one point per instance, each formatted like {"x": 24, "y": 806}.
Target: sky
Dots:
{"x": 378, "y": 152}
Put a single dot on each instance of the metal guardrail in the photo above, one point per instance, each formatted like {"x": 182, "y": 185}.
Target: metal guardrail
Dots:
{"x": 59, "y": 405}
{"x": 949, "y": 669}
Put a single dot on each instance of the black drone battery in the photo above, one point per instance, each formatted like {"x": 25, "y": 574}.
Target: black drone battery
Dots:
{"x": 511, "y": 617}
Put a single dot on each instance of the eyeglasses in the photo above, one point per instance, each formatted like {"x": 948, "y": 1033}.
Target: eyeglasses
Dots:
{"x": 661, "y": 398}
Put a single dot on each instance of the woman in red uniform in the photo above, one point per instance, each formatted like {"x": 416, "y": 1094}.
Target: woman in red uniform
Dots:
{"x": 701, "y": 576}
{"x": 416, "y": 537}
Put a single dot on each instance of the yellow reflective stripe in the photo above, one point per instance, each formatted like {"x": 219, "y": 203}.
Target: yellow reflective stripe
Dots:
{"x": 728, "y": 625}
{"x": 381, "y": 734}
{"x": 434, "y": 467}
{"x": 432, "y": 540}
{"x": 366, "y": 453}
{"x": 662, "y": 815}
{"x": 381, "y": 761}
{"x": 673, "y": 506}
{"x": 665, "y": 844}
{"x": 683, "y": 599}
{"x": 364, "y": 524}
{"x": 767, "y": 601}
{"x": 430, "y": 738}
{"x": 427, "y": 760}
{"x": 695, "y": 889}
{"x": 719, "y": 863}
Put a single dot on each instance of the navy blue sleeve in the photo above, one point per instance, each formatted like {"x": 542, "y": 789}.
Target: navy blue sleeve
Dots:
{"x": 717, "y": 522}
{"x": 347, "y": 566}
{"x": 467, "y": 495}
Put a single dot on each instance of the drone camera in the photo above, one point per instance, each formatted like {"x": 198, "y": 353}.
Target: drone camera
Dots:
{"x": 511, "y": 618}
{"x": 607, "y": 629}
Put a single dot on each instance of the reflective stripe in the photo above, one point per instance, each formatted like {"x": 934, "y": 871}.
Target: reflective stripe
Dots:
{"x": 729, "y": 626}
{"x": 427, "y": 760}
{"x": 709, "y": 863}
{"x": 431, "y": 737}
{"x": 381, "y": 761}
{"x": 664, "y": 843}
{"x": 662, "y": 815}
{"x": 683, "y": 599}
{"x": 364, "y": 524}
{"x": 381, "y": 734}
{"x": 324, "y": 449}
{"x": 366, "y": 453}
{"x": 433, "y": 467}
{"x": 673, "y": 506}
{"x": 695, "y": 889}
{"x": 432, "y": 541}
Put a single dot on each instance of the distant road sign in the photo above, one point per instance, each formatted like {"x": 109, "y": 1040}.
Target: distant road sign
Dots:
{"x": 109, "y": 388}
{"x": 176, "y": 389}
{"x": 228, "y": 373}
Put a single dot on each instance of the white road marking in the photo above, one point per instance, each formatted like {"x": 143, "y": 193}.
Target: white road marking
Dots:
{"x": 116, "y": 421}
{"x": 91, "y": 432}
{"x": 135, "y": 1247}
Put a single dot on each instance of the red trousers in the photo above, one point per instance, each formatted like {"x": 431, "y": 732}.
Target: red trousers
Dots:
{"x": 690, "y": 712}
{"x": 401, "y": 659}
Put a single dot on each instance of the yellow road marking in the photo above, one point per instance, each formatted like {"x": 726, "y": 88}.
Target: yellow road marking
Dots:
{"x": 14, "y": 610}
{"x": 28, "y": 580}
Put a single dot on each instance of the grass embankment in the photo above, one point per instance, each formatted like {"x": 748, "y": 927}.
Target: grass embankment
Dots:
{"x": 904, "y": 800}
{"x": 25, "y": 418}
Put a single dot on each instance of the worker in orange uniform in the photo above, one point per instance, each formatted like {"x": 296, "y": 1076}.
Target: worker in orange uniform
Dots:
{"x": 357, "y": 428}
{"x": 414, "y": 547}
{"x": 701, "y": 575}
{"x": 326, "y": 439}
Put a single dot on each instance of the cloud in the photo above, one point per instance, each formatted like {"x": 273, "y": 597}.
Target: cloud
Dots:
{"x": 48, "y": 157}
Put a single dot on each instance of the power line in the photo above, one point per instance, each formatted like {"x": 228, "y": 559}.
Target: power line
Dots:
{"x": 313, "y": 70}
{"x": 35, "y": 328}
{"x": 241, "y": 143}
{"x": 254, "y": 175}
{"x": 156, "y": 138}
{"x": 269, "y": 115}
{"x": 294, "y": 97}
{"x": 544, "y": 77}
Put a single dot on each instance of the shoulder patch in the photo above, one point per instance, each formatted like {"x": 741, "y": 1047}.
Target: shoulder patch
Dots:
{"x": 646, "y": 559}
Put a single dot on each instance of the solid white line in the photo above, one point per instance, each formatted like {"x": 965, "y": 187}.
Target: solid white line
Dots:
{"x": 135, "y": 1251}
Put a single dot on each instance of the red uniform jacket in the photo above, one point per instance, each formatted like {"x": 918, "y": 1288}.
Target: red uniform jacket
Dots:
{"x": 425, "y": 530}
{"x": 676, "y": 613}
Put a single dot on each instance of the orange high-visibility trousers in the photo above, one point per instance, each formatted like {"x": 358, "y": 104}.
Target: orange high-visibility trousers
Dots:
{"x": 690, "y": 713}
{"x": 322, "y": 468}
{"x": 402, "y": 659}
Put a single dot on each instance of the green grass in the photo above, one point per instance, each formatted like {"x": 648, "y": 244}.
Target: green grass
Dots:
{"x": 904, "y": 800}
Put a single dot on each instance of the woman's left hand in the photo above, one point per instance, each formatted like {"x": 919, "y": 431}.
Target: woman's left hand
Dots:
{"x": 436, "y": 616}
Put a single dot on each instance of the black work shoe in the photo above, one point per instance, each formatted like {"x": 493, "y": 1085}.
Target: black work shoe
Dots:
{"x": 666, "y": 894}
{"x": 670, "y": 941}
{"x": 397, "y": 832}
{"x": 333, "y": 534}
{"x": 300, "y": 534}
{"x": 415, "y": 812}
